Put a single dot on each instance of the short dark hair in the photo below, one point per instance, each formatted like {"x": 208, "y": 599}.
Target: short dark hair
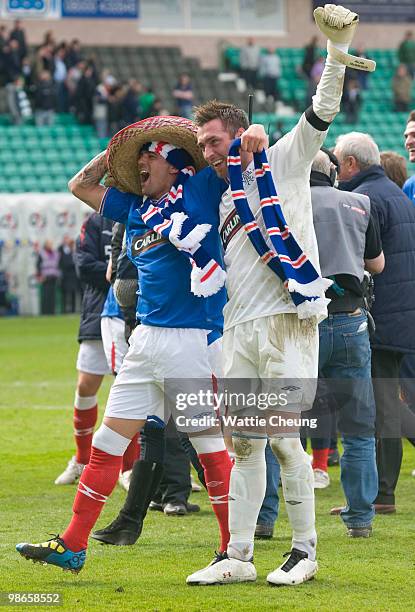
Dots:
{"x": 232, "y": 117}
{"x": 411, "y": 116}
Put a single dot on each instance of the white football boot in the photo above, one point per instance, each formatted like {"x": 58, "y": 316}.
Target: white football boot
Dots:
{"x": 297, "y": 569}
{"x": 125, "y": 479}
{"x": 223, "y": 570}
{"x": 321, "y": 479}
{"x": 196, "y": 488}
{"x": 71, "y": 474}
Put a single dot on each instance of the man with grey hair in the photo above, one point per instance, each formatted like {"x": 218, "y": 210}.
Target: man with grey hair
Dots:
{"x": 394, "y": 308}
{"x": 344, "y": 351}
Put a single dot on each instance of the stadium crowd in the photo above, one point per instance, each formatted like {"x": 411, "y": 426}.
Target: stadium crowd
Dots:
{"x": 261, "y": 69}
{"x": 57, "y": 276}
{"x": 58, "y": 77}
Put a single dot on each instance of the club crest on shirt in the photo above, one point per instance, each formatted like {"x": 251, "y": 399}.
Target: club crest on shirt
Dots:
{"x": 248, "y": 177}
{"x": 230, "y": 227}
{"x": 140, "y": 244}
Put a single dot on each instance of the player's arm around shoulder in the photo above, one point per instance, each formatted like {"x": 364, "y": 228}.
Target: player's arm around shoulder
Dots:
{"x": 86, "y": 186}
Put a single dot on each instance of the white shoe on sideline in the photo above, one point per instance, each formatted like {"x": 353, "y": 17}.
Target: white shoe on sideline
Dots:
{"x": 124, "y": 479}
{"x": 71, "y": 474}
{"x": 196, "y": 488}
{"x": 321, "y": 479}
{"x": 297, "y": 569}
{"x": 223, "y": 571}
{"x": 413, "y": 473}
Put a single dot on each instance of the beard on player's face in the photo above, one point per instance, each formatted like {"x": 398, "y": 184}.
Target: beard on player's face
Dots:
{"x": 214, "y": 141}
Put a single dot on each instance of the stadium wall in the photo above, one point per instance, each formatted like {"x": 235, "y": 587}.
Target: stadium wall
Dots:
{"x": 300, "y": 28}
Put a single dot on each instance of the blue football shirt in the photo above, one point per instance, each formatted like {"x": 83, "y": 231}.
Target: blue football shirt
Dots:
{"x": 409, "y": 188}
{"x": 164, "y": 296}
{"x": 111, "y": 307}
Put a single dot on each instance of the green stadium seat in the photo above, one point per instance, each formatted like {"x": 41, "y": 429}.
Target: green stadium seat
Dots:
{"x": 6, "y": 156}
{"x": 15, "y": 184}
{"x": 58, "y": 130}
{"x": 36, "y": 155}
{"x": 24, "y": 169}
{"x": 66, "y": 155}
{"x": 31, "y": 143}
{"x": 77, "y": 143}
{"x": 30, "y": 183}
{"x": 81, "y": 156}
{"x": 16, "y": 141}
{"x": 9, "y": 169}
{"x": 46, "y": 183}
{"x": 56, "y": 169}
{"x": 65, "y": 119}
{"x": 47, "y": 143}
{"x": 60, "y": 183}
{"x": 51, "y": 155}
{"x": 21, "y": 156}
{"x": 42, "y": 168}
{"x": 61, "y": 141}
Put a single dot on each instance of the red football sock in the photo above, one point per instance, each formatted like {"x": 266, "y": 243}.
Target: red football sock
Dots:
{"x": 84, "y": 422}
{"x": 320, "y": 457}
{"x": 217, "y": 467}
{"x": 96, "y": 484}
{"x": 131, "y": 455}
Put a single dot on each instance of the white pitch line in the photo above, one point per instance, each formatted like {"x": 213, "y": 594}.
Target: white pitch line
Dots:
{"x": 37, "y": 407}
{"x": 39, "y": 383}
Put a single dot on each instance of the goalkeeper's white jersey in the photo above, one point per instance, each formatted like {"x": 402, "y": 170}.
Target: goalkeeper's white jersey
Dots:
{"x": 253, "y": 289}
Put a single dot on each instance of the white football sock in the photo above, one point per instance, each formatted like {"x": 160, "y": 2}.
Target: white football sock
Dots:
{"x": 298, "y": 489}
{"x": 246, "y": 493}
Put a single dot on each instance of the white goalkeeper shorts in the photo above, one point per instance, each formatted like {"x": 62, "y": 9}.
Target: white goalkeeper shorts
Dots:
{"x": 282, "y": 351}
{"x": 91, "y": 358}
{"x": 157, "y": 377}
{"x": 113, "y": 339}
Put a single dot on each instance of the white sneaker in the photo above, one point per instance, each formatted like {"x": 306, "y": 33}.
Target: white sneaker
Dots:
{"x": 297, "y": 569}
{"x": 196, "y": 488}
{"x": 321, "y": 479}
{"x": 413, "y": 473}
{"x": 71, "y": 474}
{"x": 125, "y": 479}
{"x": 223, "y": 571}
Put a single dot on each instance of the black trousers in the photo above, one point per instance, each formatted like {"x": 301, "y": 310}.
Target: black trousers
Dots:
{"x": 48, "y": 295}
{"x": 175, "y": 484}
{"x": 69, "y": 295}
{"x": 394, "y": 420}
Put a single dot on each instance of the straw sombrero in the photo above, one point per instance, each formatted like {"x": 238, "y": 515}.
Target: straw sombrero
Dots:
{"x": 123, "y": 150}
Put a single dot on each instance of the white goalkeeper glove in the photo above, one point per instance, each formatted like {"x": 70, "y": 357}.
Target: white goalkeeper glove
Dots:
{"x": 339, "y": 25}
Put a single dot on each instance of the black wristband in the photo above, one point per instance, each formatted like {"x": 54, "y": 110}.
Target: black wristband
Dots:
{"x": 315, "y": 121}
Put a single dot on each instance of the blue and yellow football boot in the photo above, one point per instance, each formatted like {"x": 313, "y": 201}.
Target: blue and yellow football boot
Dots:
{"x": 53, "y": 552}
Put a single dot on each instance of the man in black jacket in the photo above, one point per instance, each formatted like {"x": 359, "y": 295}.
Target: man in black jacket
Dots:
{"x": 394, "y": 307}
{"x": 69, "y": 279}
{"x": 45, "y": 99}
{"x": 344, "y": 355}
{"x": 93, "y": 250}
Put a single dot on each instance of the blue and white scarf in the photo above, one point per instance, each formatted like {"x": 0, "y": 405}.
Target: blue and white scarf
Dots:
{"x": 167, "y": 218}
{"x": 286, "y": 258}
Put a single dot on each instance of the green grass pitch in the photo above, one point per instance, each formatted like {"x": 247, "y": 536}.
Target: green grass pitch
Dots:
{"x": 36, "y": 393}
